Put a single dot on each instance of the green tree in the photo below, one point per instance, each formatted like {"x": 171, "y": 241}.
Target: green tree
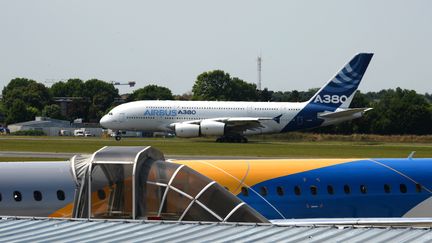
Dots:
{"x": 152, "y": 92}
{"x": 280, "y": 96}
{"x": 401, "y": 112}
{"x": 52, "y": 111}
{"x": 218, "y": 85}
{"x": 265, "y": 95}
{"x": 36, "y": 95}
{"x": 394, "y": 112}
{"x": 70, "y": 88}
{"x": 429, "y": 97}
{"x": 212, "y": 85}
{"x": 2, "y": 112}
{"x": 239, "y": 90}
{"x": 185, "y": 96}
{"x": 32, "y": 95}
{"x": 18, "y": 112}
{"x": 78, "y": 106}
{"x": 89, "y": 100}
{"x": 29, "y": 91}
{"x": 101, "y": 95}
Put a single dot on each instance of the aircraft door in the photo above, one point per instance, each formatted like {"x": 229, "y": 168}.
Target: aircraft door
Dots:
{"x": 122, "y": 117}
{"x": 300, "y": 120}
{"x": 250, "y": 110}
{"x": 313, "y": 188}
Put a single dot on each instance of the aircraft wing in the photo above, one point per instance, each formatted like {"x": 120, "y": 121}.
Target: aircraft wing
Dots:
{"x": 243, "y": 123}
{"x": 344, "y": 113}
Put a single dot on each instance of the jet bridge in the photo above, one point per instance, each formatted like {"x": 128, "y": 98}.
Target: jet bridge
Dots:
{"x": 137, "y": 183}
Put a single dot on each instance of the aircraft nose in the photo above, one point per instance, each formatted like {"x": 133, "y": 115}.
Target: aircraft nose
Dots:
{"x": 104, "y": 121}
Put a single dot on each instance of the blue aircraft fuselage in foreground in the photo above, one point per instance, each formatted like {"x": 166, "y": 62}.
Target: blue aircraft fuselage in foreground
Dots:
{"x": 115, "y": 183}
{"x": 327, "y": 188}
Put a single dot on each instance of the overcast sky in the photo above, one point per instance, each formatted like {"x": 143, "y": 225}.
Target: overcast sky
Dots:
{"x": 303, "y": 43}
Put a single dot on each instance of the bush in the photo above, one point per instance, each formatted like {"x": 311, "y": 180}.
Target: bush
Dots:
{"x": 29, "y": 133}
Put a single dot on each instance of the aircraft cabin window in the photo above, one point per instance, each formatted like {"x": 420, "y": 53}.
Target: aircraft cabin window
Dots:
{"x": 363, "y": 189}
{"x": 297, "y": 190}
{"x": 387, "y": 188}
{"x": 418, "y": 188}
{"x": 280, "y": 191}
{"x": 37, "y": 195}
{"x": 61, "y": 195}
{"x": 263, "y": 191}
{"x": 347, "y": 189}
{"x": 403, "y": 188}
{"x": 244, "y": 191}
{"x": 17, "y": 196}
{"x": 313, "y": 190}
{"x": 330, "y": 189}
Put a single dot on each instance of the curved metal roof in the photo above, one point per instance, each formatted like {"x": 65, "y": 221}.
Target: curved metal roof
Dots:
{"x": 83, "y": 230}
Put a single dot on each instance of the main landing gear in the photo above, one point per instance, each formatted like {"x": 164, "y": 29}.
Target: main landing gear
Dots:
{"x": 232, "y": 138}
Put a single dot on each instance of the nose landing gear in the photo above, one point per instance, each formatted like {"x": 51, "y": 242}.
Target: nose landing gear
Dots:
{"x": 118, "y": 136}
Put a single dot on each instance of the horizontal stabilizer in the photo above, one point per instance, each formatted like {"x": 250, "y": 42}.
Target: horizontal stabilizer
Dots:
{"x": 343, "y": 113}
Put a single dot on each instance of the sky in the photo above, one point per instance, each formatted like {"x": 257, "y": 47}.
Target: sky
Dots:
{"x": 169, "y": 43}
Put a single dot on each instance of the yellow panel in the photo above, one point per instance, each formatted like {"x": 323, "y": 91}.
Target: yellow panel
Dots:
{"x": 230, "y": 173}
{"x": 65, "y": 212}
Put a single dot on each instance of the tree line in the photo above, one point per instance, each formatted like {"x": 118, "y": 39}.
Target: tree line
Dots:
{"x": 395, "y": 111}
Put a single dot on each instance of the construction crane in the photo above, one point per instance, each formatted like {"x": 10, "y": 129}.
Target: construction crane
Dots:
{"x": 130, "y": 83}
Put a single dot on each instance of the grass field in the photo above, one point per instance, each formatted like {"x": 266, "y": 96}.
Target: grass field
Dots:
{"x": 206, "y": 146}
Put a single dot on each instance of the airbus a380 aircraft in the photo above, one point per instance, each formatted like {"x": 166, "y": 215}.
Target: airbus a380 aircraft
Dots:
{"x": 232, "y": 120}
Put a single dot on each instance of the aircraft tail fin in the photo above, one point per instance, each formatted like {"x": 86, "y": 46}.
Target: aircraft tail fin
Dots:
{"x": 340, "y": 90}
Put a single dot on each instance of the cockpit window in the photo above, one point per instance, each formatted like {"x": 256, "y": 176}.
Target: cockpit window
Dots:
{"x": 110, "y": 113}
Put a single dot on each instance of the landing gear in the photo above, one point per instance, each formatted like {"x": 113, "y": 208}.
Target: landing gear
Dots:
{"x": 118, "y": 136}
{"x": 232, "y": 138}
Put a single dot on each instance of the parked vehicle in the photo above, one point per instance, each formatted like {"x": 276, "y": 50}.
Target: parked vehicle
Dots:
{"x": 79, "y": 133}
{"x": 88, "y": 134}
{"x": 64, "y": 133}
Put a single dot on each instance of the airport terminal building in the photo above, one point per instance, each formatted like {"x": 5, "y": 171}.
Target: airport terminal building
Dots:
{"x": 55, "y": 127}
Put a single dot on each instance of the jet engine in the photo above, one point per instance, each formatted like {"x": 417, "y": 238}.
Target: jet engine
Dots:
{"x": 212, "y": 128}
{"x": 206, "y": 128}
{"x": 187, "y": 130}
